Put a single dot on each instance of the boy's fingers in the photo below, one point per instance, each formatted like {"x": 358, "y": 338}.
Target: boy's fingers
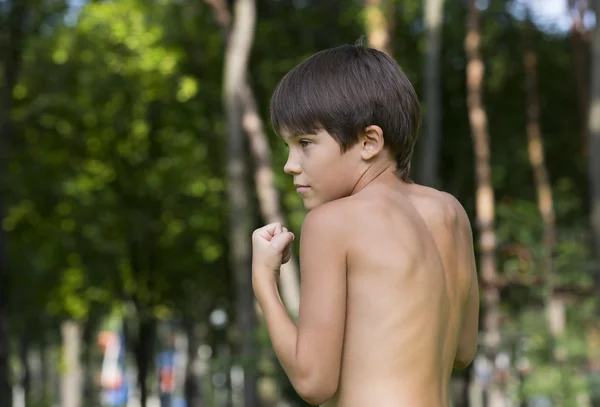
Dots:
{"x": 268, "y": 231}
{"x": 273, "y": 228}
{"x": 285, "y": 230}
{"x": 281, "y": 240}
{"x": 263, "y": 233}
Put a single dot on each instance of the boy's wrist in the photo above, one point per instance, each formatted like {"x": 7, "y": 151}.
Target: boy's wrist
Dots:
{"x": 264, "y": 280}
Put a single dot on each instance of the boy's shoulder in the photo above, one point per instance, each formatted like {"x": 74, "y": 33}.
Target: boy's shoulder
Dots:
{"x": 446, "y": 216}
{"x": 336, "y": 220}
{"x": 437, "y": 203}
{"x": 338, "y": 216}
{"x": 325, "y": 230}
{"x": 332, "y": 214}
{"x": 453, "y": 210}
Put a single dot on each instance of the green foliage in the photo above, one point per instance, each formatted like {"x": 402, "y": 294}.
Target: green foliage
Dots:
{"x": 115, "y": 179}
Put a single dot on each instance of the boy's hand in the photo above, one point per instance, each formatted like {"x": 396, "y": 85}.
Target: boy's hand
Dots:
{"x": 271, "y": 247}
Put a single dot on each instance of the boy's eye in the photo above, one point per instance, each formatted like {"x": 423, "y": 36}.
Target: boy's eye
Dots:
{"x": 304, "y": 143}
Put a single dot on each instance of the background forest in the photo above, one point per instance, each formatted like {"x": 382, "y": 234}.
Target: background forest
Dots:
{"x": 136, "y": 158}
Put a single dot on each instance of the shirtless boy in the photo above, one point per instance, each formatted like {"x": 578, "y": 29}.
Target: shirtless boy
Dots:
{"x": 389, "y": 296}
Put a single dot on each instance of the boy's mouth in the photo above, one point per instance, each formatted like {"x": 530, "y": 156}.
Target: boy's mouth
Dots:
{"x": 301, "y": 188}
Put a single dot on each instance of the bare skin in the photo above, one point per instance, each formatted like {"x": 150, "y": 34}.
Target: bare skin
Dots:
{"x": 389, "y": 299}
{"x": 409, "y": 275}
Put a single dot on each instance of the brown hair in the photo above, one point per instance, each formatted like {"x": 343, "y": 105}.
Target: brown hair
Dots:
{"x": 345, "y": 89}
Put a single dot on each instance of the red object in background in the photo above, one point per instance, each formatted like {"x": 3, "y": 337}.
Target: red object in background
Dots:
{"x": 105, "y": 338}
{"x": 167, "y": 380}
{"x": 111, "y": 377}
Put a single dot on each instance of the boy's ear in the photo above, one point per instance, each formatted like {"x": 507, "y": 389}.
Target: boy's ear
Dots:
{"x": 371, "y": 142}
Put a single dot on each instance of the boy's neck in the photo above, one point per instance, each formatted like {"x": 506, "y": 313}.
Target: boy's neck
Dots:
{"x": 376, "y": 174}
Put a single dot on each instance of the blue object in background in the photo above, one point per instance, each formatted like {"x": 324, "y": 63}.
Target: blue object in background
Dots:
{"x": 179, "y": 402}
{"x": 119, "y": 396}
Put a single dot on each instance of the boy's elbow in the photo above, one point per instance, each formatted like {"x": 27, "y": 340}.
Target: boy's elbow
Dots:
{"x": 464, "y": 359}
{"x": 316, "y": 397}
{"x": 316, "y": 391}
{"x": 462, "y": 363}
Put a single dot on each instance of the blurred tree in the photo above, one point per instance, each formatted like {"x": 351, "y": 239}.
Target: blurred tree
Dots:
{"x": 264, "y": 179}
{"x": 115, "y": 176}
{"x": 109, "y": 227}
{"x": 594, "y": 180}
{"x": 580, "y": 46}
{"x": 594, "y": 134}
{"x": 541, "y": 178}
{"x": 237, "y": 54}
{"x": 430, "y": 145}
{"x": 379, "y": 24}
{"x": 71, "y": 383}
{"x": 554, "y": 303}
{"x": 14, "y": 14}
{"x": 485, "y": 202}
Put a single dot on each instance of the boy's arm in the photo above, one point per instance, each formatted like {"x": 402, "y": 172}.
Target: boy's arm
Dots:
{"x": 467, "y": 345}
{"x": 311, "y": 352}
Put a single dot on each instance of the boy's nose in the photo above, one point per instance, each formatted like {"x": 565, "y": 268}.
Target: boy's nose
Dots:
{"x": 291, "y": 168}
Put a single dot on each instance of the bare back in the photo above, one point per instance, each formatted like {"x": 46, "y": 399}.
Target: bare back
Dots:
{"x": 409, "y": 273}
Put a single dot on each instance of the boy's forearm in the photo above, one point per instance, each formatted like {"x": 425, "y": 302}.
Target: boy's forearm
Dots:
{"x": 282, "y": 329}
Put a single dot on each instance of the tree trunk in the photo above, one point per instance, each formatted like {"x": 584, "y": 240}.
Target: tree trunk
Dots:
{"x": 88, "y": 361}
{"x": 593, "y": 354}
{"x": 143, "y": 353}
{"x": 194, "y": 374}
{"x": 236, "y": 62}
{"x": 432, "y": 138}
{"x": 268, "y": 197}
{"x": 484, "y": 201}
{"x": 70, "y": 393}
{"x": 378, "y": 24}
{"x": 5, "y": 387}
{"x": 594, "y": 180}
{"x": 579, "y": 48}
{"x": 25, "y": 348}
{"x": 11, "y": 56}
{"x": 46, "y": 389}
{"x": 554, "y": 303}
{"x": 541, "y": 178}
{"x": 594, "y": 132}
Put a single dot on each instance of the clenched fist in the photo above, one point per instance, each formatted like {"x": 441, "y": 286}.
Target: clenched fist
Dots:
{"x": 271, "y": 247}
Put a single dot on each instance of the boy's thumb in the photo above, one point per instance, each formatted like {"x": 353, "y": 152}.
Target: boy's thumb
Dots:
{"x": 281, "y": 240}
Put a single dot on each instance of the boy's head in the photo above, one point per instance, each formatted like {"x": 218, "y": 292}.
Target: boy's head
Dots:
{"x": 344, "y": 92}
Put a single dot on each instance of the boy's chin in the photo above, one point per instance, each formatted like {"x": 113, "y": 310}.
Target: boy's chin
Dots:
{"x": 309, "y": 206}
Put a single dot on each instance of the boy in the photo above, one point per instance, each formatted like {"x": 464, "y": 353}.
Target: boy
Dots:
{"x": 389, "y": 296}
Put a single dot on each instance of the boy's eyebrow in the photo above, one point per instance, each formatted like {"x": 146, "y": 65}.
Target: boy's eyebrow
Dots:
{"x": 287, "y": 138}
